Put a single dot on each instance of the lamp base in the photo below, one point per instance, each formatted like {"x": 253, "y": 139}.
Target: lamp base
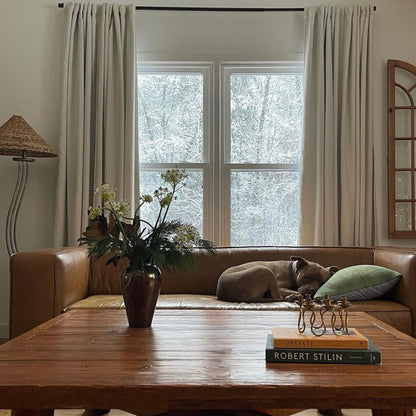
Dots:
{"x": 19, "y": 190}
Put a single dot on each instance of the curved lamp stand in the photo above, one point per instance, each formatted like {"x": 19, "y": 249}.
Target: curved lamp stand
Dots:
{"x": 15, "y": 203}
{"x": 17, "y": 138}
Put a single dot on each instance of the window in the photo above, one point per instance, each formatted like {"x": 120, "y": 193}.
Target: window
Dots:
{"x": 174, "y": 131}
{"x": 243, "y": 185}
{"x": 402, "y": 149}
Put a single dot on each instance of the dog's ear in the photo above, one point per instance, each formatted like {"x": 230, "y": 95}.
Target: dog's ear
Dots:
{"x": 332, "y": 269}
{"x": 300, "y": 262}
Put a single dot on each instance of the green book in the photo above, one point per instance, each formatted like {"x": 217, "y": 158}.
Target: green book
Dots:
{"x": 371, "y": 355}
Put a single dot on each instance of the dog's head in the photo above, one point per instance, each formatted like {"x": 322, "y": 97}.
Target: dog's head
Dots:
{"x": 310, "y": 276}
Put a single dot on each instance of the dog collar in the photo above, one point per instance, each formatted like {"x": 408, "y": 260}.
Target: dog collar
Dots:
{"x": 294, "y": 267}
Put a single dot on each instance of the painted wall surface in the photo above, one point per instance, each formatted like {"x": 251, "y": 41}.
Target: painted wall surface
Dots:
{"x": 31, "y": 48}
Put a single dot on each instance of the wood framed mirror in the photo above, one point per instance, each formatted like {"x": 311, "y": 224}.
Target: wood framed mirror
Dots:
{"x": 401, "y": 79}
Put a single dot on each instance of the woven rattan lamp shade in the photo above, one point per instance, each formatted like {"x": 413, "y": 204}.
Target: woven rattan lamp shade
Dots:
{"x": 17, "y": 136}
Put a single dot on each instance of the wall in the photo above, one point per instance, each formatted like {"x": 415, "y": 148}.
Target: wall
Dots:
{"x": 31, "y": 48}
{"x": 393, "y": 36}
{"x": 196, "y": 36}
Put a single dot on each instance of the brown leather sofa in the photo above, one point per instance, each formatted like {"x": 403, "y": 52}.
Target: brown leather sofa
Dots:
{"x": 47, "y": 282}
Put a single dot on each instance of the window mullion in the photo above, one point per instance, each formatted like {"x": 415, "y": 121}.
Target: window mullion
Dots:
{"x": 265, "y": 166}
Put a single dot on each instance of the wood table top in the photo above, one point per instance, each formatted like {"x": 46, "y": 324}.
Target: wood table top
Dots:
{"x": 193, "y": 359}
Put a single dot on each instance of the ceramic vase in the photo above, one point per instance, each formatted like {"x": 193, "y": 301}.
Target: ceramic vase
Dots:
{"x": 141, "y": 290}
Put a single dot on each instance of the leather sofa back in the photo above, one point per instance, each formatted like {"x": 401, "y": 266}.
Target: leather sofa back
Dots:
{"x": 106, "y": 279}
{"x": 44, "y": 283}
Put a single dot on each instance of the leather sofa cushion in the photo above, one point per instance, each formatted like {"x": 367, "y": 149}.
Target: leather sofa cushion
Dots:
{"x": 392, "y": 313}
{"x": 186, "y": 301}
{"x": 180, "y": 301}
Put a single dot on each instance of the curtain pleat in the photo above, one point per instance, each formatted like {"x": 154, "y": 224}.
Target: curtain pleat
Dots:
{"x": 337, "y": 177}
{"x": 97, "y": 134}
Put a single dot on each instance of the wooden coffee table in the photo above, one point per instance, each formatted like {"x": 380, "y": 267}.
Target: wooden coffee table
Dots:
{"x": 194, "y": 359}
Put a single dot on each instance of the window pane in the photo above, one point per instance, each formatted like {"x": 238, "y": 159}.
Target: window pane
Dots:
{"x": 188, "y": 205}
{"x": 403, "y": 185}
{"x": 403, "y": 123}
{"x": 170, "y": 112}
{"x": 403, "y": 154}
{"x": 264, "y": 208}
{"x": 266, "y": 118}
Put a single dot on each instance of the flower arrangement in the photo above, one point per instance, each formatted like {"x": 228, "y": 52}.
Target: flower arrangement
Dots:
{"x": 165, "y": 243}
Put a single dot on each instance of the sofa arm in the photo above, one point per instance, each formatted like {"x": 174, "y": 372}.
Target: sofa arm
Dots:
{"x": 402, "y": 260}
{"x": 43, "y": 283}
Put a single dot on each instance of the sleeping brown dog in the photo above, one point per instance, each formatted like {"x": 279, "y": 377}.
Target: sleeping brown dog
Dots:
{"x": 267, "y": 281}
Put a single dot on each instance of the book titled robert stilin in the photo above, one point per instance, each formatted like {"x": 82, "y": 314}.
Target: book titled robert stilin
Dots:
{"x": 371, "y": 355}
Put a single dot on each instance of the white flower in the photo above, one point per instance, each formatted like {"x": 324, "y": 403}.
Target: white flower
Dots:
{"x": 186, "y": 236}
{"x": 94, "y": 212}
{"x": 147, "y": 198}
{"x": 121, "y": 208}
{"x": 166, "y": 200}
{"x": 107, "y": 192}
{"x": 174, "y": 176}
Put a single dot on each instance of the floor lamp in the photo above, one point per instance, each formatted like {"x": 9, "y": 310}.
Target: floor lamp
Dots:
{"x": 17, "y": 138}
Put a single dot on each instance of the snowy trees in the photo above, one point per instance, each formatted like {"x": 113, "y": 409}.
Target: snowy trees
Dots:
{"x": 266, "y": 128}
{"x": 170, "y": 118}
{"x": 266, "y": 118}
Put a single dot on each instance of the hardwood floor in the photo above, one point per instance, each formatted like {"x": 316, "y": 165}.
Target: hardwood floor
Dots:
{"x": 311, "y": 412}
{"x": 116, "y": 412}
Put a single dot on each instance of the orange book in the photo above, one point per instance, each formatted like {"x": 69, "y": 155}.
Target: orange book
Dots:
{"x": 292, "y": 338}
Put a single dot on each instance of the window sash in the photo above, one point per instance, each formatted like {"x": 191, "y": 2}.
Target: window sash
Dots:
{"x": 206, "y": 69}
{"x": 226, "y": 71}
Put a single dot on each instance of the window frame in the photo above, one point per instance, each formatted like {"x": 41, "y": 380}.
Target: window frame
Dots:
{"x": 397, "y": 69}
{"x": 226, "y": 70}
{"x": 216, "y": 167}
{"x": 206, "y": 69}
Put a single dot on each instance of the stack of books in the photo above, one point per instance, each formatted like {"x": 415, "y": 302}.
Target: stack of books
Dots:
{"x": 287, "y": 345}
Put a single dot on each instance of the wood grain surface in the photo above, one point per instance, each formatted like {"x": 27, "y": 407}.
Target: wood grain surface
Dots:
{"x": 194, "y": 359}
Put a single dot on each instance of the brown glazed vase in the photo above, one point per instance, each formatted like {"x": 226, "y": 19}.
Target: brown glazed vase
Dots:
{"x": 141, "y": 289}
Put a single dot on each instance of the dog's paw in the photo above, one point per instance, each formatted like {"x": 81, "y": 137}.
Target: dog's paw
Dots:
{"x": 292, "y": 297}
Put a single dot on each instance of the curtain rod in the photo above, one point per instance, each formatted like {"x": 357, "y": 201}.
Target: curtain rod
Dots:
{"x": 216, "y": 9}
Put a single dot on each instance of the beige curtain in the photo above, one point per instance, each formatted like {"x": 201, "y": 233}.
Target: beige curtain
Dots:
{"x": 97, "y": 133}
{"x": 337, "y": 177}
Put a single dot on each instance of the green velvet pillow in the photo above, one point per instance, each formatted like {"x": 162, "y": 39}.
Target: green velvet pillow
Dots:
{"x": 360, "y": 282}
